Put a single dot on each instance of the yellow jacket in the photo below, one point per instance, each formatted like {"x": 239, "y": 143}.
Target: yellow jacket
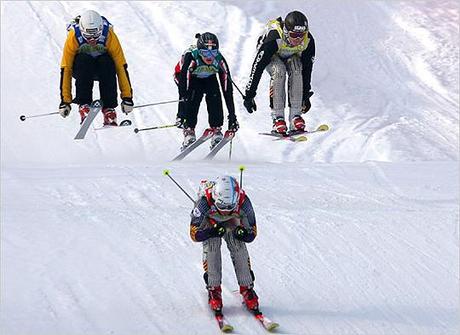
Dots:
{"x": 112, "y": 46}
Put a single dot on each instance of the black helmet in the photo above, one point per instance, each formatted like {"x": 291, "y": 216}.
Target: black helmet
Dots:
{"x": 207, "y": 41}
{"x": 296, "y": 21}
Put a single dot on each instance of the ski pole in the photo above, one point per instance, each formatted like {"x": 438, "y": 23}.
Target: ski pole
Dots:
{"x": 236, "y": 87}
{"x": 136, "y": 130}
{"x": 24, "y": 117}
{"x": 167, "y": 173}
{"x": 159, "y": 103}
{"x": 242, "y": 168}
{"x": 230, "y": 150}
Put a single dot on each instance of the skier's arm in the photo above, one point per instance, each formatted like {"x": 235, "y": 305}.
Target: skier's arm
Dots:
{"x": 121, "y": 67}
{"x": 199, "y": 227}
{"x": 182, "y": 76}
{"x": 68, "y": 56}
{"x": 263, "y": 58}
{"x": 307, "y": 58}
{"x": 227, "y": 88}
{"x": 248, "y": 220}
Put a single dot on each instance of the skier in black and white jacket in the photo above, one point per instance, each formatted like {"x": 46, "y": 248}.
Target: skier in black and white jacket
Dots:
{"x": 287, "y": 47}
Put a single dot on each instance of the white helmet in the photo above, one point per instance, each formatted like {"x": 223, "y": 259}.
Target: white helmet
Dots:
{"x": 91, "y": 24}
{"x": 226, "y": 193}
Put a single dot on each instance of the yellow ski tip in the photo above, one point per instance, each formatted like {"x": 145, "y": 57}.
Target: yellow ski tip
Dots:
{"x": 323, "y": 127}
{"x": 301, "y": 139}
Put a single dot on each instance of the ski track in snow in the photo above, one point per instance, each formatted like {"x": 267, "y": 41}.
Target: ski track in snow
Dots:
{"x": 357, "y": 227}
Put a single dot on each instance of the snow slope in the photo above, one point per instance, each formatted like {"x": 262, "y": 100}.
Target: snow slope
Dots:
{"x": 358, "y": 228}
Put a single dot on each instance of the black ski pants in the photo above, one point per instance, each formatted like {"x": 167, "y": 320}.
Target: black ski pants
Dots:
{"x": 87, "y": 69}
{"x": 198, "y": 88}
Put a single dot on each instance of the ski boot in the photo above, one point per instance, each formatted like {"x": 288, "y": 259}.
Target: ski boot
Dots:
{"x": 83, "y": 110}
{"x": 189, "y": 137}
{"x": 215, "y": 298}
{"x": 216, "y": 137}
{"x": 250, "y": 298}
{"x": 279, "y": 126}
{"x": 110, "y": 117}
{"x": 297, "y": 124}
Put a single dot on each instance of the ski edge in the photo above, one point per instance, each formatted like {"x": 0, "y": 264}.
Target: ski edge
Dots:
{"x": 321, "y": 128}
{"x": 229, "y": 135}
{"x": 95, "y": 105}
{"x": 207, "y": 134}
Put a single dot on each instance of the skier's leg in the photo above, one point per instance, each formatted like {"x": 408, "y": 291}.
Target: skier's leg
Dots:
{"x": 240, "y": 259}
{"x": 212, "y": 261}
{"x": 212, "y": 265}
{"x": 277, "y": 71}
{"x": 215, "y": 110}
{"x": 194, "y": 101}
{"x": 295, "y": 91}
{"x": 214, "y": 103}
{"x": 244, "y": 274}
{"x": 107, "y": 88}
{"x": 107, "y": 80}
{"x": 191, "y": 108}
{"x": 84, "y": 70}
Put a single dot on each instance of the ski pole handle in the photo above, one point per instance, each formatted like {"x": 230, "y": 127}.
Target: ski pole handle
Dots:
{"x": 24, "y": 117}
{"x": 136, "y": 130}
{"x": 159, "y": 103}
{"x": 242, "y": 168}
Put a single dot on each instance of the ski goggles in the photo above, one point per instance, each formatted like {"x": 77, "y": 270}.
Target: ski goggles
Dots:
{"x": 296, "y": 34}
{"x": 207, "y": 53}
{"x": 226, "y": 208}
{"x": 91, "y": 36}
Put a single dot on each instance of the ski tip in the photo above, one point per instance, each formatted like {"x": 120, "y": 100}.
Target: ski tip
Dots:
{"x": 227, "y": 329}
{"x": 300, "y": 139}
{"x": 125, "y": 123}
{"x": 97, "y": 103}
{"x": 272, "y": 326}
{"x": 323, "y": 127}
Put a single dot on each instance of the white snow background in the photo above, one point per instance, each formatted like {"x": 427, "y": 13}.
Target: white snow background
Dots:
{"x": 358, "y": 227}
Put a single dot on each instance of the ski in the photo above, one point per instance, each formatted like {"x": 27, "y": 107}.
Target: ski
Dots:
{"x": 123, "y": 123}
{"x": 228, "y": 136}
{"x": 297, "y": 136}
{"x": 94, "y": 109}
{"x": 268, "y": 324}
{"x": 223, "y": 324}
{"x": 207, "y": 134}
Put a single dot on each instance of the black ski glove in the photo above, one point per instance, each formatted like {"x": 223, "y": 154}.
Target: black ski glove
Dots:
{"x": 240, "y": 233}
{"x": 64, "y": 109}
{"x": 233, "y": 124}
{"x": 180, "y": 122}
{"x": 127, "y": 105}
{"x": 250, "y": 104}
{"x": 306, "y": 104}
{"x": 217, "y": 231}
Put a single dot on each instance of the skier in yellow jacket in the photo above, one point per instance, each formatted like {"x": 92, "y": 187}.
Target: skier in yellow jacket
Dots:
{"x": 92, "y": 51}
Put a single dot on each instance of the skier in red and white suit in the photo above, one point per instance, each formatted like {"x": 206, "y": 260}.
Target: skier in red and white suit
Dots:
{"x": 224, "y": 211}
